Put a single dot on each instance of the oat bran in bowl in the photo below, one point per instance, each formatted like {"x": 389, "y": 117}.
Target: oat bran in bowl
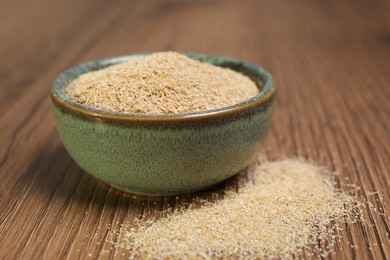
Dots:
{"x": 163, "y": 123}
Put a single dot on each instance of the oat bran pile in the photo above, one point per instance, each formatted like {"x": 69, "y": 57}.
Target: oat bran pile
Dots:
{"x": 161, "y": 83}
{"x": 285, "y": 207}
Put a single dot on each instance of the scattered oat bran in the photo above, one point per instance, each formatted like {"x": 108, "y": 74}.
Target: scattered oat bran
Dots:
{"x": 286, "y": 206}
{"x": 161, "y": 83}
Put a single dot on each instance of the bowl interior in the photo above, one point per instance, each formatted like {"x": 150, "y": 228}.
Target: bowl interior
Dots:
{"x": 261, "y": 77}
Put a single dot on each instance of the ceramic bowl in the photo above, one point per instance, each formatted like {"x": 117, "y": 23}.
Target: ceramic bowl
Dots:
{"x": 164, "y": 154}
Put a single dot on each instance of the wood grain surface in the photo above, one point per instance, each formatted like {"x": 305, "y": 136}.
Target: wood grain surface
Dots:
{"x": 331, "y": 61}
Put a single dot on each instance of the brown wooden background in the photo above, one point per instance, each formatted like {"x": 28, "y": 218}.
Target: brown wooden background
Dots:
{"x": 331, "y": 60}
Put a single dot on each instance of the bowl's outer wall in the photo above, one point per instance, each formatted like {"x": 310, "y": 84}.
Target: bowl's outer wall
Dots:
{"x": 163, "y": 161}
{"x": 174, "y": 159}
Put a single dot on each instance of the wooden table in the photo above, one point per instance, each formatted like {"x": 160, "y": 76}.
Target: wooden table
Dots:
{"x": 331, "y": 61}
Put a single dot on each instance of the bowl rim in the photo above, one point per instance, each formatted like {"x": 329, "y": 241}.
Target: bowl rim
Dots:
{"x": 70, "y": 106}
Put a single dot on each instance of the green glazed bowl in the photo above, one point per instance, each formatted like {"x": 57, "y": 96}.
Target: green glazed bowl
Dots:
{"x": 164, "y": 154}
